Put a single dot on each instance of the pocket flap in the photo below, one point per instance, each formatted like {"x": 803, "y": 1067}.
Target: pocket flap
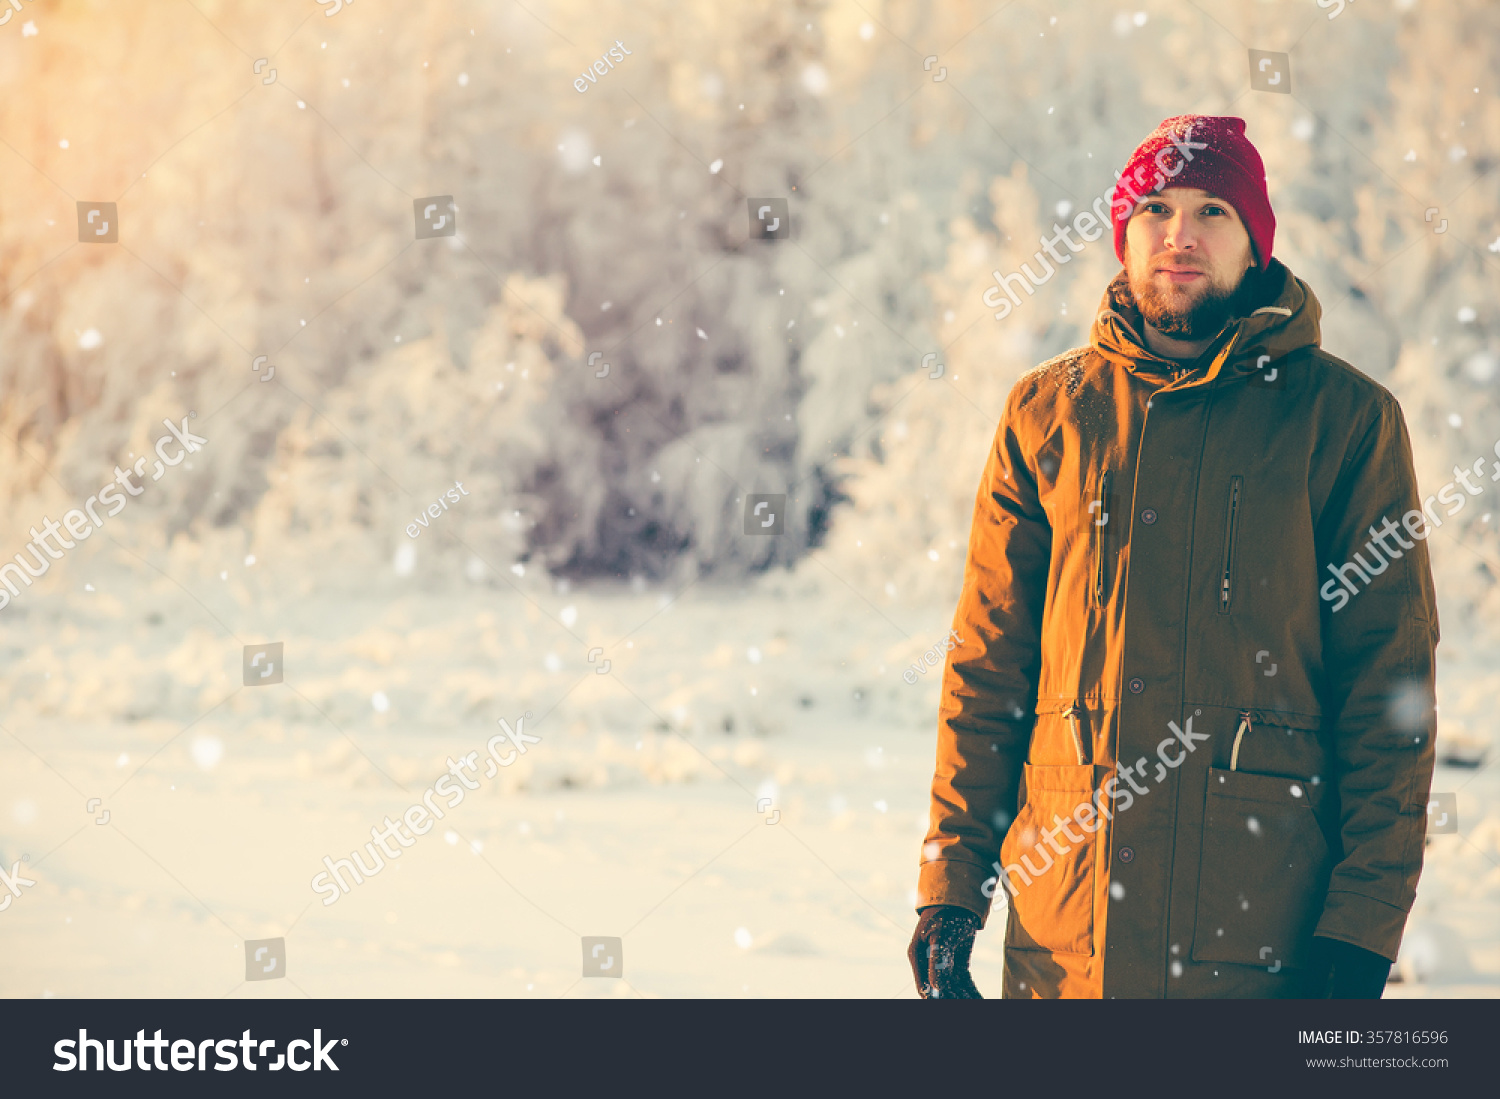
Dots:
{"x": 1066, "y": 778}
{"x": 1271, "y": 789}
{"x": 1053, "y": 705}
{"x": 1287, "y": 719}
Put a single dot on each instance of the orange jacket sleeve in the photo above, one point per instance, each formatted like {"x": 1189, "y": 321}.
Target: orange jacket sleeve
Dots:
{"x": 989, "y": 685}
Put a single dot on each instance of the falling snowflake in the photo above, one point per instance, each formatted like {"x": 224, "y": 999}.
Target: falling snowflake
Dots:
{"x": 1482, "y": 365}
{"x": 1409, "y": 706}
{"x": 207, "y": 751}
{"x": 815, "y": 78}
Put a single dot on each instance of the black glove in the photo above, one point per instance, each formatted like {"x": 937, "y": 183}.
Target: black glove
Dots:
{"x": 939, "y": 953}
{"x": 1353, "y": 972}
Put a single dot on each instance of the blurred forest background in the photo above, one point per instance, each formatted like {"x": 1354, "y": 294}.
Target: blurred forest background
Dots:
{"x": 274, "y": 219}
{"x": 920, "y": 146}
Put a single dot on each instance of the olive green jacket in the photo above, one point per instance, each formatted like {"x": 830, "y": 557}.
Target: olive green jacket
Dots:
{"x": 1175, "y": 741}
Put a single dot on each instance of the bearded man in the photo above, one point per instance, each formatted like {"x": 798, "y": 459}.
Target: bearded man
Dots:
{"x": 1189, "y": 738}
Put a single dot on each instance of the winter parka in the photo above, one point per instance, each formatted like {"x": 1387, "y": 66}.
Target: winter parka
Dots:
{"x": 1189, "y": 720}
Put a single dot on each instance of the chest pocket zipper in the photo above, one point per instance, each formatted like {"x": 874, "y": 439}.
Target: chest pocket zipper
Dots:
{"x": 1231, "y": 522}
{"x": 1099, "y": 510}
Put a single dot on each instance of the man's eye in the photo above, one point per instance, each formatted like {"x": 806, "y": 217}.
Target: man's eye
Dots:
{"x": 1155, "y": 208}
{"x": 1214, "y": 211}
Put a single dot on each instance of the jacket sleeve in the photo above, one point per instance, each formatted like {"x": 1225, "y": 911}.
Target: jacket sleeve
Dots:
{"x": 1379, "y": 653}
{"x": 989, "y": 685}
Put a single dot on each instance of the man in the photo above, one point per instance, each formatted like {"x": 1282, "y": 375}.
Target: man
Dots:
{"x": 1189, "y": 737}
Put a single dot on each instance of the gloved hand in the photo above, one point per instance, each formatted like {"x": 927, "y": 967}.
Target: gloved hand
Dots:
{"x": 939, "y": 953}
{"x": 1353, "y": 972}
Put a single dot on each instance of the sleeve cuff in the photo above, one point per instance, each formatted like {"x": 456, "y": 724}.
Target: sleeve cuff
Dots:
{"x": 1364, "y": 922}
{"x": 944, "y": 881}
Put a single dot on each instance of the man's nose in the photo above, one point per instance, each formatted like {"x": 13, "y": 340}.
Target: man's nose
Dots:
{"x": 1180, "y": 236}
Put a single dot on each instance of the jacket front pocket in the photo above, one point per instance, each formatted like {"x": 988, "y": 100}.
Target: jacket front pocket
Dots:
{"x": 1263, "y": 870}
{"x": 1231, "y": 524}
{"x": 1048, "y": 863}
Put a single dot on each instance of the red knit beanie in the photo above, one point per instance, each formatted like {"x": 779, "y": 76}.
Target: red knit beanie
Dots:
{"x": 1206, "y": 151}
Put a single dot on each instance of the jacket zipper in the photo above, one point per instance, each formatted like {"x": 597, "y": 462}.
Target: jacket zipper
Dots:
{"x": 1226, "y": 576}
{"x": 1101, "y": 525}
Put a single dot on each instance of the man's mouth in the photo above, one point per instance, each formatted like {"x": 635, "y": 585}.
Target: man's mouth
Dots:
{"x": 1178, "y": 274}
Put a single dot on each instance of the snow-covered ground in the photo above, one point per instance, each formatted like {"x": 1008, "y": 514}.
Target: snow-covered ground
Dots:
{"x": 636, "y": 816}
{"x": 640, "y": 813}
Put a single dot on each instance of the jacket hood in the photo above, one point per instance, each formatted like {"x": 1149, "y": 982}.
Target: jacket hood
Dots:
{"x": 1283, "y": 318}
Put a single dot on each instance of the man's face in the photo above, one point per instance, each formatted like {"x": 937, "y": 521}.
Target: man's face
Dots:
{"x": 1186, "y": 253}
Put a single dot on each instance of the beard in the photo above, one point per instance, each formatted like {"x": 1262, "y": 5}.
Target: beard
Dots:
{"x": 1196, "y": 313}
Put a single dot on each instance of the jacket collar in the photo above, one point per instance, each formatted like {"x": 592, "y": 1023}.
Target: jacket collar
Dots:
{"x": 1283, "y": 318}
